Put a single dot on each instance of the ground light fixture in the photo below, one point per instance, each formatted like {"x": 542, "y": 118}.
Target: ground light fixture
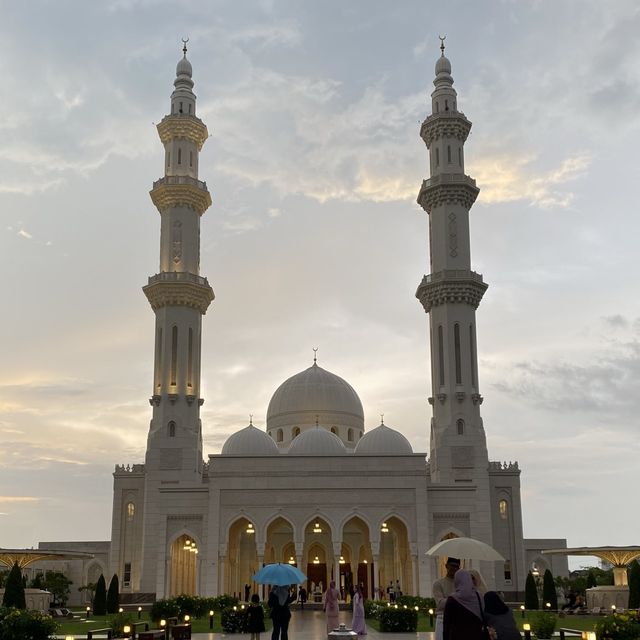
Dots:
{"x": 120, "y": 610}
{"x": 126, "y": 630}
{"x": 163, "y": 623}
{"x": 588, "y": 635}
{"x": 187, "y": 617}
{"x": 431, "y": 617}
{"x": 139, "y": 612}
{"x": 526, "y": 627}
{"x": 211, "y": 619}
{"x": 88, "y": 612}
{"x": 613, "y": 608}
{"x": 522, "y": 610}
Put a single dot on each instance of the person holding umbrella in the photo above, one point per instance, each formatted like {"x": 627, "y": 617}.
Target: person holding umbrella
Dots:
{"x": 442, "y": 589}
{"x": 279, "y": 600}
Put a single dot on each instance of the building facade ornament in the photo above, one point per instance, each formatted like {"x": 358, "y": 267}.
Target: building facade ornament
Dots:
{"x": 180, "y": 191}
{"x": 181, "y": 125}
{"x": 448, "y": 189}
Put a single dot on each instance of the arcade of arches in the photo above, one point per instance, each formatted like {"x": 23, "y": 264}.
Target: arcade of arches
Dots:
{"x": 347, "y": 556}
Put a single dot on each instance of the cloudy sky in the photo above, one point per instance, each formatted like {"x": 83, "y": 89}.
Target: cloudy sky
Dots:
{"x": 314, "y": 238}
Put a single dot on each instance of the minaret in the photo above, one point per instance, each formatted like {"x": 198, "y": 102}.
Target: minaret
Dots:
{"x": 178, "y": 295}
{"x": 451, "y": 293}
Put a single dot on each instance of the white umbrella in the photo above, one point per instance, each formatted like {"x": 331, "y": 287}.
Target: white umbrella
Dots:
{"x": 465, "y": 548}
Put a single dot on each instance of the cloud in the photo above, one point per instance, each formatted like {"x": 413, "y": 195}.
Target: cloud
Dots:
{"x": 25, "y": 234}
{"x": 15, "y": 499}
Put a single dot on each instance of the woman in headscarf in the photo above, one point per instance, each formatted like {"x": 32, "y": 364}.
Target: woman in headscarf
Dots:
{"x": 500, "y": 617}
{"x": 279, "y": 600}
{"x": 358, "y": 624}
{"x": 478, "y": 581}
{"x": 463, "y": 611}
{"x": 330, "y": 607}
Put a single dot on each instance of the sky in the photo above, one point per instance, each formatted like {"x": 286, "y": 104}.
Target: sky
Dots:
{"x": 314, "y": 238}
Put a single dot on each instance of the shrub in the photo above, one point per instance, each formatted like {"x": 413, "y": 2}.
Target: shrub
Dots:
{"x": 14, "y": 589}
{"x": 424, "y": 604}
{"x": 113, "y": 595}
{"x": 371, "y": 609}
{"x": 591, "y": 579}
{"x": 619, "y": 626}
{"x": 398, "y": 620}
{"x": 16, "y": 624}
{"x": 163, "y": 609}
{"x": 233, "y": 620}
{"x": 117, "y": 623}
{"x": 543, "y": 623}
{"x": 224, "y": 602}
{"x": 531, "y": 601}
{"x": 549, "y": 593}
{"x": 100, "y": 597}
{"x": 191, "y": 605}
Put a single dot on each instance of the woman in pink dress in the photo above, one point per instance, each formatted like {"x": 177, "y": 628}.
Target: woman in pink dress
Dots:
{"x": 358, "y": 624}
{"x": 330, "y": 607}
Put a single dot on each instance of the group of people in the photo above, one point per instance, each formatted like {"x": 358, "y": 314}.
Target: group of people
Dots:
{"x": 466, "y": 610}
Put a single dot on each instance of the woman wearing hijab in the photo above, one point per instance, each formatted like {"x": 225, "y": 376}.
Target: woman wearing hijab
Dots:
{"x": 330, "y": 607}
{"x": 358, "y": 624}
{"x": 500, "y": 617}
{"x": 463, "y": 611}
{"x": 478, "y": 581}
{"x": 279, "y": 600}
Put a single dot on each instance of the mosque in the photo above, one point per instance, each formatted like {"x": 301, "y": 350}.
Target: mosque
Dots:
{"x": 315, "y": 488}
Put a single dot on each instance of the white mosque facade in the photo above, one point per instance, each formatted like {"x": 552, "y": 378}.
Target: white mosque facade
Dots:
{"x": 315, "y": 488}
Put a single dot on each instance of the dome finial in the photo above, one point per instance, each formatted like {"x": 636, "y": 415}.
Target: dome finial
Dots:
{"x": 442, "y": 39}
{"x": 317, "y": 421}
{"x": 315, "y": 355}
{"x": 382, "y": 418}
{"x": 184, "y": 46}
{"x": 251, "y": 419}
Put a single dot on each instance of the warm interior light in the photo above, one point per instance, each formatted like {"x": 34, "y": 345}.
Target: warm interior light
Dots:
{"x": 342, "y": 560}
{"x": 317, "y": 528}
{"x": 291, "y": 560}
{"x": 250, "y": 528}
{"x": 364, "y": 561}
{"x": 384, "y": 528}
{"x": 316, "y": 560}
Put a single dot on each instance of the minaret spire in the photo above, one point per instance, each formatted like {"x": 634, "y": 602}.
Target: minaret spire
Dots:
{"x": 178, "y": 294}
{"x": 451, "y": 293}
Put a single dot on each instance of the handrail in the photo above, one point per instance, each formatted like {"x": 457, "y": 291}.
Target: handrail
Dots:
{"x": 572, "y": 632}
{"x": 109, "y": 631}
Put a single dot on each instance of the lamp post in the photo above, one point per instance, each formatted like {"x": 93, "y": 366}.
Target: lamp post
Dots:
{"x": 139, "y": 612}
{"x": 88, "y": 612}
{"x": 211, "y": 619}
{"x": 522, "y": 610}
{"x": 526, "y": 627}
{"x": 431, "y": 617}
{"x": 126, "y": 630}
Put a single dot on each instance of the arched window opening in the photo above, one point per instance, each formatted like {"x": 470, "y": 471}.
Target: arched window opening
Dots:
{"x": 168, "y": 159}
{"x": 174, "y": 355}
{"x": 460, "y": 426}
{"x": 190, "y": 107}
{"x": 460, "y": 156}
{"x": 159, "y": 359}
{"x": 172, "y": 429}
{"x": 334, "y": 430}
{"x": 446, "y": 105}
{"x": 437, "y": 107}
{"x": 503, "y": 507}
{"x": 350, "y": 435}
{"x": 131, "y": 509}
{"x": 179, "y": 155}
{"x": 190, "y": 360}
{"x": 360, "y": 436}
{"x": 191, "y": 158}
{"x": 126, "y": 577}
{"x": 441, "y": 355}
{"x": 280, "y": 435}
{"x": 180, "y": 108}
{"x": 507, "y": 569}
{"x": 472, "y": 349}
{"x": 437, "y": 157}
{"x": 296, "y": 432}
{"x": 449, "y": 153}
{"x": 456, "y": 342}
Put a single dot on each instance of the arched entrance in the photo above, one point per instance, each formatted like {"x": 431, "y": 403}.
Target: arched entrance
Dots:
{"x": 242, "y": 557}
{"x": 183, "y": 566}
{"x": 317, "y": 556}
{"x": 355, "y": 536}
{"x": 395, "y": 557}
{"x": 279, "y": 541}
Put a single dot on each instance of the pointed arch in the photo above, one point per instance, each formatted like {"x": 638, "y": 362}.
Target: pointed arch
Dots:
{"x": 182, "y": 551}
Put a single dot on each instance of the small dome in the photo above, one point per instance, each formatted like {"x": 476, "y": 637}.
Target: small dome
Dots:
{"x": 383, "y": 441}
{"x": 317, "y": 442}
{"x": 249, "y": 441}
{"x": 184, "y": 67}
{"x": 443, "y": 65}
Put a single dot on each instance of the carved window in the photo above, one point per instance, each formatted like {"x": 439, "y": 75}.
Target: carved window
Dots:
{"x": 280, "y": 435}
{"x": 174, "y": 355}
{"x": 472, "y": 348}
{"x": 190, "y": 107}
{"x": 131, "y": 509}
{"x": 172, "y": 429}
{"x": 350, "y": 435}
{"x": 437, "y": 157}
{"x": 126, "y": 574}
{"x": 460, "y": 427}
{"x": 179, "y": 155}
{"x": 180, "y": 107}
{"x": 190, "y": 359}
{"x": 159, "y": 359}
{"x": 449, "y": 153}
{"x": 446, "y": 106}
{"x": 168, "y": 159}
{"x": 460, "y": 156}
{"x": 456, "y": 342}
{"x": 503, "y": 508}
{"x": 507, "y": 569}
{"x": 437, "y": 107}
{"x": 296, "y": 432}
{"x": 191, "y": 158}
{"x": 441, "y": 355}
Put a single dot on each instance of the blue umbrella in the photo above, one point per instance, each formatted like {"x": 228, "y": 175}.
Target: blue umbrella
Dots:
{"x": 279, "y": 574}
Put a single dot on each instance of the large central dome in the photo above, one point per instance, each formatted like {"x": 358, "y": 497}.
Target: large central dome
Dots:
{"x": 313, "y": 397}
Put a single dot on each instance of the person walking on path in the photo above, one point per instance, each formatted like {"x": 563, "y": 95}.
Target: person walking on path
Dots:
{"x": 302, "y": 597}
{"x": 279, "y": 601}
{"x": 463, "y": 612}
{"x": 442, "y": 589}
{"x": 500, "y": 617}
{"x": 255, "y": 617}
{"x": 358, "y": 624}
{"x": 330, "y": 607}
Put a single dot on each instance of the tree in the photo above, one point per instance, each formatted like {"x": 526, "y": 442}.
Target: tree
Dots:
{"x": 90, "y": 588}
{"x": 58, "y": 584}
{"x": 14, "y": 589}
{"x": 634, "y": 585}
{"x": 549, "y": 593}
{"x": 591, "y": 579}
{"x": 531, "y": 593}
{"x": 100, "y": 598}
{"x": 113, "y": 595}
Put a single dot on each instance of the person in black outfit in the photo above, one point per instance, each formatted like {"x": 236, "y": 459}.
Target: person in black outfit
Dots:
{"x": 254, "y": 618}
{"x": 463, "y": 614}
{"x": 500, "y": 617}
{"x": 302, "y": 597}
{"x": 279, "y": 601}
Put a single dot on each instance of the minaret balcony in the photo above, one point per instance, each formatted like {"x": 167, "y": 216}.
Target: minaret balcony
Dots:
{"x": 451, "y": 286}
{"x": 182, "y": 125}
{"x": 176, "y": 191}
{"x": 448, "y": 188}
{"x": 450, "y": 124}
{"x": 179, "y": 288}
